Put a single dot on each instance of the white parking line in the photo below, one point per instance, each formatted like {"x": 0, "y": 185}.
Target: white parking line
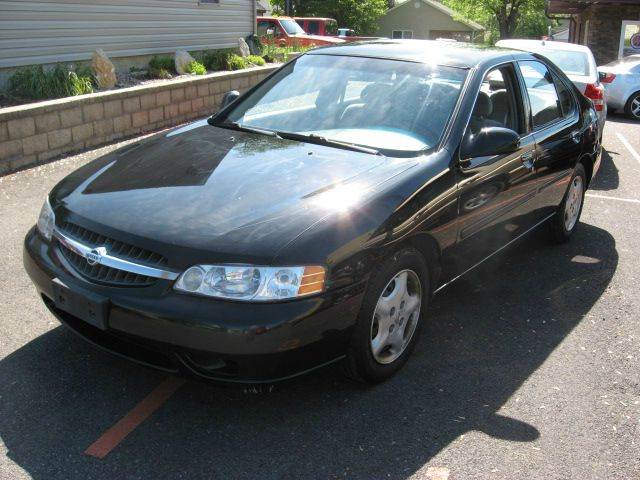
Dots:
{"x": 628, "y": 146}
{"x": 606, "y": 197}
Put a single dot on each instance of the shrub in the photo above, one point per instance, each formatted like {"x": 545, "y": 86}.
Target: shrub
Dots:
{"x": 256, "y": 60}
{"x": 217, "y": 59}
{"x": 37, "y": 84}
{"x": 196, "y": 68}
{"x": 273, "y": 53}
{"x": 161, "y": 67}
{"x": 236, "y": 62}
{"x": 80, "y": 85}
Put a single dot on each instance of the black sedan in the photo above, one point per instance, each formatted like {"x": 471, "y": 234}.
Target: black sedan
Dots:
{"x": 311, "y": 219}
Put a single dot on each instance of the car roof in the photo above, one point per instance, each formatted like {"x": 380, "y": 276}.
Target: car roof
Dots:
{"x": 314, "y": 18}
{"x": 458, "y": 54}
{"x": 538, "y": 45}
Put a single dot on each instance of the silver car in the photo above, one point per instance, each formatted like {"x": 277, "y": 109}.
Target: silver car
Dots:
{"x": 577, "y": 63}
{"x": 621, "y": 80}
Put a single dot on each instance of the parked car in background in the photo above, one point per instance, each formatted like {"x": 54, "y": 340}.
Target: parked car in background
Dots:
{"x": 346, "y": 32}
{"x": 349, "y": 35}
{"x": 621, "y": 80}
{"x": 318, "y": 26}
{"x": 328, "y": 27}
{"x": 311, "y": 219}
{"x": 285, "y": 32}
{"x": 576, "y": 61}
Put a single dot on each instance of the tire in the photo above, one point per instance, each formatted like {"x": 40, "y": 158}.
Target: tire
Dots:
{"x": 632, "y": 107}
{"x": 567, "y": 217}
{"x": 385, "y": 285}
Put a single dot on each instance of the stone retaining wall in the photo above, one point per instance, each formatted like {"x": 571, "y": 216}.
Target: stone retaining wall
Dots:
{"x": 38, "y": 132}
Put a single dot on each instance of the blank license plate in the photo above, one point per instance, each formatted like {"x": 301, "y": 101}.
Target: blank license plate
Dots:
{"x": 86, "y": 306}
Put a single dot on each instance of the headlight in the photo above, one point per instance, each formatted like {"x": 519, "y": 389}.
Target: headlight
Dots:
{"x": 46, "y": 220}
{"x": 250, "y": 283}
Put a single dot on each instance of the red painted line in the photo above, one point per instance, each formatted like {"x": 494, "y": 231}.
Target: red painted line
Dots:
{"x": 114, "y": 435}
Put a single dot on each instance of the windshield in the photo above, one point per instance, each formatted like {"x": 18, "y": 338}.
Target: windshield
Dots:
{"x": 571, "y": 63}
{"x": 291, "y": 27}
{"x": 376, "y": 103}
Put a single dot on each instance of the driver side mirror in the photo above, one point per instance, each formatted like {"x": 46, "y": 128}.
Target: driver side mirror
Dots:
{"x": 229, "y": 98}
{"x": 488, "y": 142}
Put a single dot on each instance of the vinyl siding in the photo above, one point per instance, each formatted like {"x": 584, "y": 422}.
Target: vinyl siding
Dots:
{"x": 48, "y": 31}
{"x": 420, "y": 18}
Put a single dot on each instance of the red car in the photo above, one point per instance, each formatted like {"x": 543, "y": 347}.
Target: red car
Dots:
{"x": 318, "y": 26}
{"x": 284, "y": 31}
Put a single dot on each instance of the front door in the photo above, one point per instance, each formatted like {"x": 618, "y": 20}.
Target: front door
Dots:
{"x": 496, "y": 192}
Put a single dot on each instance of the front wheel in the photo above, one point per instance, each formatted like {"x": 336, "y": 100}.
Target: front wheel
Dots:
{"x": 632, "y": 108}
{"x": 565, "y": 221}
{"x": 390, "y": 318}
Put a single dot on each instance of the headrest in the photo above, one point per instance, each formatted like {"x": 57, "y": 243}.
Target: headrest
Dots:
{"x": 500, "y": 94}
{"x": 483, "y": 106}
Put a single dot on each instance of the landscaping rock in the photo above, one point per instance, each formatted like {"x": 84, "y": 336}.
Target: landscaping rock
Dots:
{"x": 244, "y": 48}
{"x": 103, "y": 70}
{"x": 183, "y": 59}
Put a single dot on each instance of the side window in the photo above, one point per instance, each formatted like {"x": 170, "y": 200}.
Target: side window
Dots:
{"x": 262, "y": 28}
{"x": 543, "y": 97}
{"x": 313, "y": 28}
{"x": 496, "y": 104}
{"x": 277, "y": 30}
{"x": 567, "y": 102}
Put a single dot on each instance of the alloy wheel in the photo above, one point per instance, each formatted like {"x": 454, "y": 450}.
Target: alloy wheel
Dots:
{"x": 635, "y": 106}
{"x": 573, "y": 203}
{"x": 396, "y": 316}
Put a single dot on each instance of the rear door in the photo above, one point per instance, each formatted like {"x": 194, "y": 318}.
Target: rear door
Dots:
{"x": 557, "y": 129}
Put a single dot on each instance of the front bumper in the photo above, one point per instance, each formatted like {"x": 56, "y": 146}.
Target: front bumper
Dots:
{"x": 213, "y": 339}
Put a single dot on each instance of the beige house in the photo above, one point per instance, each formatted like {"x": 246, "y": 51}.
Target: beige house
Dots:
{"x": 51, "y": 31}
{"x": 426, "y": 20}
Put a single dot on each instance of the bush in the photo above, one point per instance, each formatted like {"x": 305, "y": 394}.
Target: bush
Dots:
{"x": 162, "y": 67}
{"x": 217, "y": 59}
{"x": 196, "y": 68}
{"x": 272, "y": 53}
{"x": 37, "y": 84}
{"x": 236, "y": 62}
{"x": 256, "y": 60}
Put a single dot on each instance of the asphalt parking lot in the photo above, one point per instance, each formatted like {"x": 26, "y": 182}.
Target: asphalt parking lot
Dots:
{"x": 529, "y": 368}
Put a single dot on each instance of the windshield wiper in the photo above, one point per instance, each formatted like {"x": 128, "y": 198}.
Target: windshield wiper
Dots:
{"x": 320, "y": 140}
{"x": 244, "y": 128}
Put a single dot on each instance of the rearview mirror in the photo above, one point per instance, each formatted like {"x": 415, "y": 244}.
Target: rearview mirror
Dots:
{"x": 489, "y": 141}
{"x": 229, "y": 98}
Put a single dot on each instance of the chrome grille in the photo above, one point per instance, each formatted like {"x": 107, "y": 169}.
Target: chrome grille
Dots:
{"x": 102, "y": 273}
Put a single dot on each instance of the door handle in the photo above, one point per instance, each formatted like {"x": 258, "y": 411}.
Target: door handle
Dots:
{"x": 527, "y": 159}
{"x": 575, "y": 136}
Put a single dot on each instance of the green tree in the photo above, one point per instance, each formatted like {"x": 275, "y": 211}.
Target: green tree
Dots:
{"x": 504, "y": 18}
{"x": 361, "y": 15}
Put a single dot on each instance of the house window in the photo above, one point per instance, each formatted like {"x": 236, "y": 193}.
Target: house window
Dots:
{"x": 402, "y": 34}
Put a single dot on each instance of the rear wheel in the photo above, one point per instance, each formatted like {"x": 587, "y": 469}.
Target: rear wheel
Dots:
{"x": 632, "y": 108}
{"x": 390, "y": 318}
{"x": 566, "y": 219}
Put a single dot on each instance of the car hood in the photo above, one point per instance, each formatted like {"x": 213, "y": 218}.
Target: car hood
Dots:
{"x": 241, "y": 195}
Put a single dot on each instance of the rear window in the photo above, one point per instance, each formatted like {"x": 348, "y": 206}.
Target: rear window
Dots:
{"x": 571, "y": 63}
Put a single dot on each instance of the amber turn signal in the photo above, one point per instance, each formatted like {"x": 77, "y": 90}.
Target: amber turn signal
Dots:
{"x": 312, "y": 280}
